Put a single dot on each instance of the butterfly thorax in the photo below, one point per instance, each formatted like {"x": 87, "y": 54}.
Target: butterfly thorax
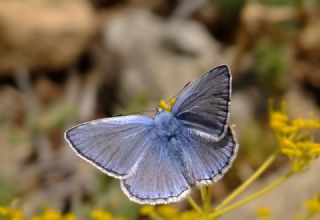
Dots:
{"x": 167, "y": 126}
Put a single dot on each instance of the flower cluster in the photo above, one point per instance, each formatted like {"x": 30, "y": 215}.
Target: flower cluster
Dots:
{"x": 313, "y": 206}
{"x": 282, "y": 124}
{"x": 50, "y": 214}
{"x": 263, "y": 213}
{"x": 296, "y": 138}
{"x": 8, "y": 213}
{"x": 160, "y": 212}
{"x": 99, "y": 214}
{"x": 168, "y": 212}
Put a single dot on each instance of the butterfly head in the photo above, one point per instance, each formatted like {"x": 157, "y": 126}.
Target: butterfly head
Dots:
{"x": 163, "y": 105}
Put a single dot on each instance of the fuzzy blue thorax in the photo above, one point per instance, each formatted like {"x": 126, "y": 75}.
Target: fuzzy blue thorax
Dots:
{"x": 167, "y": 125}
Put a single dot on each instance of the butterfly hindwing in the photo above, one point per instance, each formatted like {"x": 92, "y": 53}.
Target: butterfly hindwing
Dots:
{"x": 203, "y": 106}
{"x": 114, "y": 145}
{"x": 160, "y": 177}
{"x": 210, "y": 160}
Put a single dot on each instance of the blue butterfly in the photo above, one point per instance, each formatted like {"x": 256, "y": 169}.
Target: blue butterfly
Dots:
{"x": 158, "y": 160}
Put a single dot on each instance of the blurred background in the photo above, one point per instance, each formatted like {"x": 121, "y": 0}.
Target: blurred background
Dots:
{"x": 66, "y": 62}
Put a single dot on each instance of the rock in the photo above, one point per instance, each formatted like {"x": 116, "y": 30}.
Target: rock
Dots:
{"x": 300, "y": 103}
{"x": 43, "y": 33}
{"x": 242, "y": 110}
{"x": 12, "y": 106}
{"x": 256, "y": 15}
{"x": 309, "y": 38}
{"x": 160, "y": 56}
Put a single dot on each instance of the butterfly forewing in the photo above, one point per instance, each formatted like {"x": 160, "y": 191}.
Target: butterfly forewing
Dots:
{"x": 203, "y": 106}
{"x": 114, "y": 145}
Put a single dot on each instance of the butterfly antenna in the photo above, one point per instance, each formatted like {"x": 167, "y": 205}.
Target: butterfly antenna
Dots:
{"x": 135, "y": 113}
{"x": 185, "y": 86}
{"x": 117, "y": 115}
{"x": 145, "y": 111}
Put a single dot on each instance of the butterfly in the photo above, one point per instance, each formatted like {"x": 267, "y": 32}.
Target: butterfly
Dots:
{"x": 158, "y": 160}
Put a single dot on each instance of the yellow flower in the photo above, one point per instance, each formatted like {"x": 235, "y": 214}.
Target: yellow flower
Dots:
{"x": 50, "y": 214}
{"x": 263, "y": 213}
{"x": 99, "y": 214}
{"x": 10, "y": 213}
{"x": 4, "y": 211}
{"x": 300, "y": 153}
{"x": 289, "y": 129}
{"x": 287, "y": 143}
{"x": 295, "y": 138}
{"x": 69, "y": 216}
{"x": 147, "y": 210}
{"x": 278, "y": 120}
{"x": 315, "y": 151}
{"x": 304, "y": 123}
{"x": 313, "y": 205}
{"x": 279, "y": 116}
{"x": 281, "y": 123}
{"x": 189, "y": 215}
{"x": 312, "y": 148}
{"x": 167, "y": 211}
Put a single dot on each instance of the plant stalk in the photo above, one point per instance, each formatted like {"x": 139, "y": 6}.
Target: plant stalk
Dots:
{"x": 222, "y": 211}
{"x": 194, "y": 205}
{"x": 249, "y": 181}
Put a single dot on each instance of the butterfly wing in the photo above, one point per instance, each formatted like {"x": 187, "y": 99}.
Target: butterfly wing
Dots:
{"x": 203, "y": 106}
{"x": 114, "y": 145}
{"x": 210, "y": 160}
{"x": 160, "y": 177}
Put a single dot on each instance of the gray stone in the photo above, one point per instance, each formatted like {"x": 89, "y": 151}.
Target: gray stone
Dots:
{"x": 160, "y": 56}
{"x": 43, "y": 33}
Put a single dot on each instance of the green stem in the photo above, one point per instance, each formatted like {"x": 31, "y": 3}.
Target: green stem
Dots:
{"x": 203, "y": 194}
{"x": 220, "y": 212}
{"x": 194, "y": 205}
{"x": 208, "y": 199}
{"x": 249, "y": 181}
